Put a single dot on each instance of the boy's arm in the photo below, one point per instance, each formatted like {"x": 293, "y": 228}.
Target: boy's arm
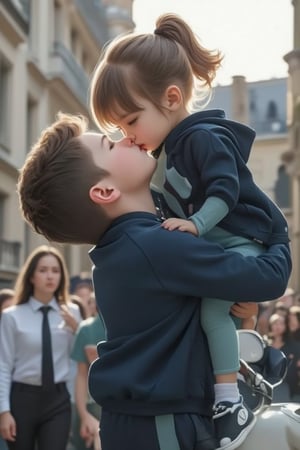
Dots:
{"x": 194, "y": 267}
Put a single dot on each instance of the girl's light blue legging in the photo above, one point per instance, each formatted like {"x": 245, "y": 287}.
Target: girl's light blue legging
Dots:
{"x": 216, "y": 321}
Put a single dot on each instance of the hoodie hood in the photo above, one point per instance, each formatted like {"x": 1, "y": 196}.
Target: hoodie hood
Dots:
{"x": 241, "y": 135}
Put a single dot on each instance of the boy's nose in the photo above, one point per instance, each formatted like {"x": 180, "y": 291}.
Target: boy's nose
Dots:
{"x": 131, "y": 136}
{"x": 129, "y": 140}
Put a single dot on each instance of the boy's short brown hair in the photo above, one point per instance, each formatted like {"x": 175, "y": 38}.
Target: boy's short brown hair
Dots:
{"x": 54, "y": 185}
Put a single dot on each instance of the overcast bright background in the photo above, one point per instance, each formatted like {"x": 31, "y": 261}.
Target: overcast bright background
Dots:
{"x": 254, "y": 35}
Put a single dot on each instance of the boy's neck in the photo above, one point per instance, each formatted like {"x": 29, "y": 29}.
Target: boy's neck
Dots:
{"x": 138, "y": 203}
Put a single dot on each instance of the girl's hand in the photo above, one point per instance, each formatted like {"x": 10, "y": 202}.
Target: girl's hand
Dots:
{"x": 89, "y": 431}
{"x": 68, "y": 317}
{"x": 181, "y": 225}
{"x": 8, "y": 429}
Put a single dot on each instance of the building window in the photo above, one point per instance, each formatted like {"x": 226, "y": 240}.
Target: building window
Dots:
{"x": 58, "y": 21}
{"x": 272, "y": 117}
{"x": 272, "y": 112}
{"x": 74, "y": 43}
{"x": 252, "y": 105}
{"x": 31, "y": 123}
{"x": 282, "y": 188}
{"x": 2, "y": 205}
{"x": 5, "y": 85}
{"x": 33, "y": 12}
{"x": 85, "y": 62}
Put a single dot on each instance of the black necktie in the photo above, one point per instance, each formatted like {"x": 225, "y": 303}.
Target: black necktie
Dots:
{"x": 47, "y": 361}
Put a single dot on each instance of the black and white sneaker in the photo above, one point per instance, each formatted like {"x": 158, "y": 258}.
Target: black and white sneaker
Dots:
{"x": 233, "y": 422}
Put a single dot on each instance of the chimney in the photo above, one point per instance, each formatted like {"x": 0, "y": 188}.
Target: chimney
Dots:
{"x": 240, "y": 101}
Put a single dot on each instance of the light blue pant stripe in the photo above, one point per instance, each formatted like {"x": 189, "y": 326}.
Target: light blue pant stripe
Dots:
{"x": 166, "y": 433}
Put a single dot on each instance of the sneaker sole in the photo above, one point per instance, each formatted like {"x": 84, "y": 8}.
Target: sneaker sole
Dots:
{"x": 240, "y": 439}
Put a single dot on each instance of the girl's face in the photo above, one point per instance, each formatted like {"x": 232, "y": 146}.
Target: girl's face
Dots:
{"x": 92, "y": 306}
{"x": 278, "y": 327}
{"x": 46, "y": 278}
{"x": 149, "y": 127}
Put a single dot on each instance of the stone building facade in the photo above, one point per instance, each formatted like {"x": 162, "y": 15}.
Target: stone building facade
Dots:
{"x": 48, "y": 50}
{"x": 293, "y": 122}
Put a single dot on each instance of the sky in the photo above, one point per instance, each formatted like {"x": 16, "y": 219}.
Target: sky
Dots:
{"x": 253, "y": 35}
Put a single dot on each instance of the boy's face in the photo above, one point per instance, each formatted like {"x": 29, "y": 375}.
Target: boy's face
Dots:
{"x": 148, "y": 127}
{"x": 128, "y": 166}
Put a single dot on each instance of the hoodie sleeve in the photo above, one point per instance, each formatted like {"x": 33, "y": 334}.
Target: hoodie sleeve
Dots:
{"x": 192, "y": 266}
{"x": 209, "y": 215}
{"x": 215, "y": 161}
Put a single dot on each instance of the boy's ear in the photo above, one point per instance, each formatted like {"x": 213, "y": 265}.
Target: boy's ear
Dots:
{"x": 101, "y": 194}
{"x": 172, "y": 97}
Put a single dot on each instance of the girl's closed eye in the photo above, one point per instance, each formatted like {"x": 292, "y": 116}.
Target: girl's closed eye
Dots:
{"x": 132, "y": 122}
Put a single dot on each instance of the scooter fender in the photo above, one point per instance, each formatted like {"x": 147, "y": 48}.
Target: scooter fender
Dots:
{"x": 276, "y": 428}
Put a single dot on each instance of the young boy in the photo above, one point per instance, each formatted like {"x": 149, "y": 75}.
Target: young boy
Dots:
{"x": 156, "y": 393}
{"x": 144, "y": 85}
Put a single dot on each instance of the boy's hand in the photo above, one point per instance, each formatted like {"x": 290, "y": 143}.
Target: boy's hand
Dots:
{"x": 180, "y": 224}
{"x": 247, "y": 312}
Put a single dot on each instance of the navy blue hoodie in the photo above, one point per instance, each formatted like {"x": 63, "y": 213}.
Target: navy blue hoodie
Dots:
{"x": 206, "y": 156}
{"x": 148, "y": 283}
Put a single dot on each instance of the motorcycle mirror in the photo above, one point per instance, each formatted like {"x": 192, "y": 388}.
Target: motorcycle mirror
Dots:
{"x": 275, "y": 365}
{"x": 251, "y": 345}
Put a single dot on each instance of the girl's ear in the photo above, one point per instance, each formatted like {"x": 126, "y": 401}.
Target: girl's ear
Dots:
{"x": 101, "y": 194}
{"x": 172, "y": 97}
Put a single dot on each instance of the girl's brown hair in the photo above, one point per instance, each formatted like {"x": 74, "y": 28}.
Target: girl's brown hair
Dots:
{"x": 145, "y": 65}
{"x": 24, "y": 286}
{"x": 6, "y": 294}
{"x": 54, "y": 185}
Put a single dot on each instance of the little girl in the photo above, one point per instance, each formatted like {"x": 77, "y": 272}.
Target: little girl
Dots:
{"x": 143, "y": 85}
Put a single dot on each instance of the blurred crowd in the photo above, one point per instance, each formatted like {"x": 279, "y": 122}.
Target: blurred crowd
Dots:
{"x": 79, "y": 320}
{"x": 278, "y": 323}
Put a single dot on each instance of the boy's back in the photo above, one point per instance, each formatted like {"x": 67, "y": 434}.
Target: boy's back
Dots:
{"x": 147, "y": 283}
{"x": 146, "y": 367}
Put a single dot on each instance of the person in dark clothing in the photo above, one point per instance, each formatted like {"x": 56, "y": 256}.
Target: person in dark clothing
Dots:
{"x": 143, "y": 85}
{"x": 280, "y": 337}
{"x": 294, "y": 322}
{"x": 155, "y": 391}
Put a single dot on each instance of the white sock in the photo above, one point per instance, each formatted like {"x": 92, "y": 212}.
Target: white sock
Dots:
{"x": 226, "y": 392}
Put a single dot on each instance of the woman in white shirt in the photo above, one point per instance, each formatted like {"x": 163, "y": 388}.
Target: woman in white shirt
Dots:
{"x": 35, "y": 408}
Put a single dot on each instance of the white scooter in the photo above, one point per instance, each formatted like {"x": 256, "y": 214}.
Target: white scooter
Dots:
{"x": 262, "y": 369}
